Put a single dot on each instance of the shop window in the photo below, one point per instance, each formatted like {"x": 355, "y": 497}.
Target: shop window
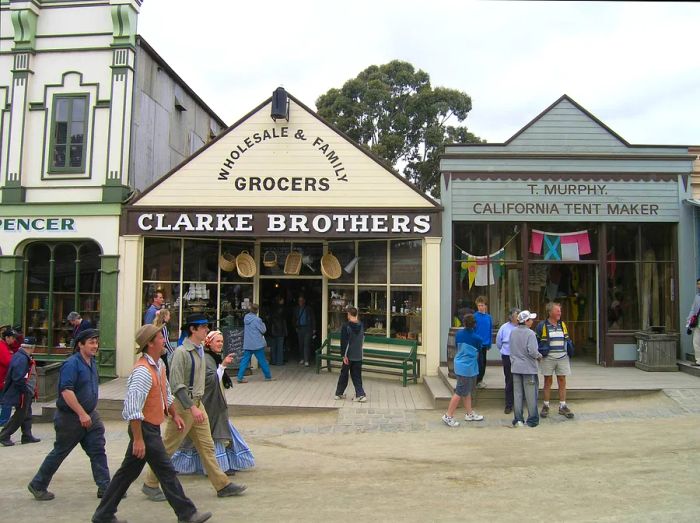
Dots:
{"x": 273, "y": 258}
{"x": 345, "y": 252}
{"x": 623, "y": 297}
{"x": 371, "y": 265}
{"x": 61, "y": 277}
{"x": 623, "y": 242}
{"x": 372, "y": 305}
{"x": 161, "y": 259}
{"x": 657, "y": 242}
{"x": 172, "y": 301}
{"x": 406, "y": 261}
{"x": 566, "y": 241}
{"x": 235, "y": 300}
{"x": 230, "y": 250}
{"x": 406, "y": 313}
{"x": 340, "y": 297}
{"x": 200, "y": 261}
{"x": 69, "y": 134}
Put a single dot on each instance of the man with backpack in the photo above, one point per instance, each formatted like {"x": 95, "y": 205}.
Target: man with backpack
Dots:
{"x": 556, "y": 348}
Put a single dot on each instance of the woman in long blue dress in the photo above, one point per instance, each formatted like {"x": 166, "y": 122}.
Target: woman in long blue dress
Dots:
{"x": 232, "y": 452}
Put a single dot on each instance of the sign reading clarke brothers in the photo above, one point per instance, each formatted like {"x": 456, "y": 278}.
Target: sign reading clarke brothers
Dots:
{"x": 281, "y": 183}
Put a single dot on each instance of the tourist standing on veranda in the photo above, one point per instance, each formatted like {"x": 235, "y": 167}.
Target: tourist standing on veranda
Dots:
{"x": 187, "y": 377}
{"x": 76, "y": 420}
{"x": 232, "y": 452}
{"x": 524, "y": 357}
{"x": 352, "y": 338}
{"x": 556, "y": 348}
{"x": 503, "y": 344}
{"x": 483, "y": 329}
{"x": 467, "y": 370}
{"x": 148, "y": 402}
{"x": 691, "y": 324}
{"x": 305, "y": 325}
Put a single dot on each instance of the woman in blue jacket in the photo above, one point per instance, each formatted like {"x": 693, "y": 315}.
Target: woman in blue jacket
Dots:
{"x": 253, "y": 344}
{"x": 467, "y": 370}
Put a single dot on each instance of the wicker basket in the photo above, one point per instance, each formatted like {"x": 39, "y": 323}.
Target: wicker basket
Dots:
{"x": 292, "y": 265}
{"x": 245, "y": 265}
{"x": 270, "y": 259}
{"x": 227, "y": 262}
{"x": 330, "y": 267}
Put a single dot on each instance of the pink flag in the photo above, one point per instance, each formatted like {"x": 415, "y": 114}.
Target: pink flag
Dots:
{"x": 580, "y": 238}
{"x": 536, "y": 241}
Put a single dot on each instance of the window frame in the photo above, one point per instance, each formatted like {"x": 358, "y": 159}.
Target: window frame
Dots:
{"x": 52, "y": 168}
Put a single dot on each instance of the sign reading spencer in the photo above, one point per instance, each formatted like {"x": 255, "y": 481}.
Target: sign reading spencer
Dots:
{"x": 37, "y": 224}
{"x": 259, "y": 224}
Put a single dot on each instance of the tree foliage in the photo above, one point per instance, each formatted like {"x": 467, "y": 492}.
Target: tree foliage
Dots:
{"x": 394, "y": 111}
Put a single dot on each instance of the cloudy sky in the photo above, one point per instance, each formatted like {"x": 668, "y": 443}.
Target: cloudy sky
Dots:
{"x": 633, "y": 65}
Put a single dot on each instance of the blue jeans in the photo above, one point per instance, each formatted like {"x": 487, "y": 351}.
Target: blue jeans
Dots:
{"x": 245, "y": 362}
{"x": 277, "y": 350}
{"x": 69, "y": 433}
{"x": 525, "y": 387}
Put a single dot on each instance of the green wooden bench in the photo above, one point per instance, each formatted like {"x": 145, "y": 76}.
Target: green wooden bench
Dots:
{"x": 378, "y": 351}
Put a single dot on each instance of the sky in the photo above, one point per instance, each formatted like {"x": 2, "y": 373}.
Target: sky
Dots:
{"x": 633, "y": 65}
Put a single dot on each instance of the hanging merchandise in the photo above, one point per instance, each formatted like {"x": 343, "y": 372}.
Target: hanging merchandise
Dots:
{"x": 482, "y": 269}
{"x": 568, "y": 246}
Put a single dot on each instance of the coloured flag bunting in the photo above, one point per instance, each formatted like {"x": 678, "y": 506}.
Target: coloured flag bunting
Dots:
{"x": 569, "y": 246}
{"x": 482, "y": 269}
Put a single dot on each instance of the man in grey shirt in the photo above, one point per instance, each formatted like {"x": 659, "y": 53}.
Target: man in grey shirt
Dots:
{"x": 523, "y": 365}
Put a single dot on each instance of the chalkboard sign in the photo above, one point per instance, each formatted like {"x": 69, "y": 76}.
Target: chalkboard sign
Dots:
{"x": 233, "y": 344}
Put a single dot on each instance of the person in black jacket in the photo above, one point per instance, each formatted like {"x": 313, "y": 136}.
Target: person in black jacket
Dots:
{"x": 19, "y": 392}
{"x": 352, "y": 336}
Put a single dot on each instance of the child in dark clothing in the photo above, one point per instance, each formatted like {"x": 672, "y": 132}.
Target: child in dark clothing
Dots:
{"x": 352, "y": 336}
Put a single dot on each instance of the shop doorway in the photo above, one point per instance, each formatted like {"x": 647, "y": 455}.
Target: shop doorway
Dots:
{"x": 575, "y": 286}
{"x": 289, "y": 290}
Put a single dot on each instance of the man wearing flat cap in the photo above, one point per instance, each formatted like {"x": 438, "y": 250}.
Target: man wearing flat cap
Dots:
{"x": 19, "y": 392}
{"x": 187, "y": 373}
{"x": 76, "y": 420}
{"x": 148, "y": 402}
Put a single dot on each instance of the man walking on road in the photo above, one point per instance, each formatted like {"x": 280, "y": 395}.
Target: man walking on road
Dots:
{"x": 187, "y": 374}
{"x": 148, "y": 401}
{"x": 556, "y": 348}
{"x": 76, "y": 419}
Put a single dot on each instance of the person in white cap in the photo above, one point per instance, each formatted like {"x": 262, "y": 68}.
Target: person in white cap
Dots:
{"x": 523, "y": 365}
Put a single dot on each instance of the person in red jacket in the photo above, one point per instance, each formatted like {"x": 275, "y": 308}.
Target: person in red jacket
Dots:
{"x": 8, "y": 339}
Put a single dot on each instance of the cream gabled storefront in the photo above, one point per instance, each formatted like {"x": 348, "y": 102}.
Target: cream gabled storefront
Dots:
{"x": 272, "y": 187}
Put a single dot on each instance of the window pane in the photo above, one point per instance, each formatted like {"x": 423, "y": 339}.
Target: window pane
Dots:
{"x": 656, "y": 295}
{"x": 372, "y": 262}
{"x": 505, "y": 236}
{"x": 62, "y": 105}
{"x": 161, "y": 259}
{"x": 345, "y": 252}
{"x": 59, "y": 156}
{"x": 406, "y": 261}
{"x": 76, "y": 132}
{"x": 234, "y": 305}
{"x": 78, "y": 113}
{"x": 64, "y": 268}
{"x": 562, "y": 241}
{"x": 171, "y": 295}
{"x": 89, "y": 268}
{"x": 622, "y": 242}
{"x": 470, "y": 239}
{"x": 76, "y": 155}
{"x": 233, "y": 249}
{"x": 201, "y": 261}
{"x": 623, "y": 297}
{"x": 657, "y": 242}
{"x": 200, "y": 298}
{"x": 340, "y": 297}
{"x": 61, "y": 133}
{"x": 406, "y": 313}
{"x": 38, "y": 256}
{"x": 372, "y": 308}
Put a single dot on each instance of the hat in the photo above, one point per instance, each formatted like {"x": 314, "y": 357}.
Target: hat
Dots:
{"x": 72, "y": 316}
{"x": 526, "y": 315}
{"x": 85, "y": 335}
{"x": 195, "y": 319}
{"x": 29, "y": 341}
{"x": 8, "y": 332}
{"x": 145, "y": 334}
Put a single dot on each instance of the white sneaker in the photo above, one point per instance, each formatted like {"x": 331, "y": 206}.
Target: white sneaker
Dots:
{"x": 481, "y": 385}
{"x": 301, "y": 362}
{"x": 340, "y": 396}
{"x": 306, "y": 364}
{"x": 473, "y": 417}
{"x": 360, "y": 399}
{"x": 519, "y": 425}
{"x": 449, "y": 421}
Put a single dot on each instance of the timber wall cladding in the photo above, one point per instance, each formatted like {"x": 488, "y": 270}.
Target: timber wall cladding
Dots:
{"x": 332, "y": 172}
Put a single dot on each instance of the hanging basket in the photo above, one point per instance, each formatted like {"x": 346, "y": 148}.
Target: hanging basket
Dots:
{"x": 330, "y": 267}
{"x": 270, "y": 259}
{"x": 292, "y": 265}
{"x": 227, "y": 262}
{"x": 245, "y": 264}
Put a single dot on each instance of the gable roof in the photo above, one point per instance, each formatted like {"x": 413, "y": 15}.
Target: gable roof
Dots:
{"x": 260, "y": 163}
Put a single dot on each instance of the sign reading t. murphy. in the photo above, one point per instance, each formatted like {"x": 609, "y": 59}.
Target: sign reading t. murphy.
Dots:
{"x": 355, "y": 223}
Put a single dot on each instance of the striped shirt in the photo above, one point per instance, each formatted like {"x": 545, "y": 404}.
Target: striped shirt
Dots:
{"x": 137, "y": 388}
{"x": 557, "y": 343}
{"x": 168, "y": 346}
